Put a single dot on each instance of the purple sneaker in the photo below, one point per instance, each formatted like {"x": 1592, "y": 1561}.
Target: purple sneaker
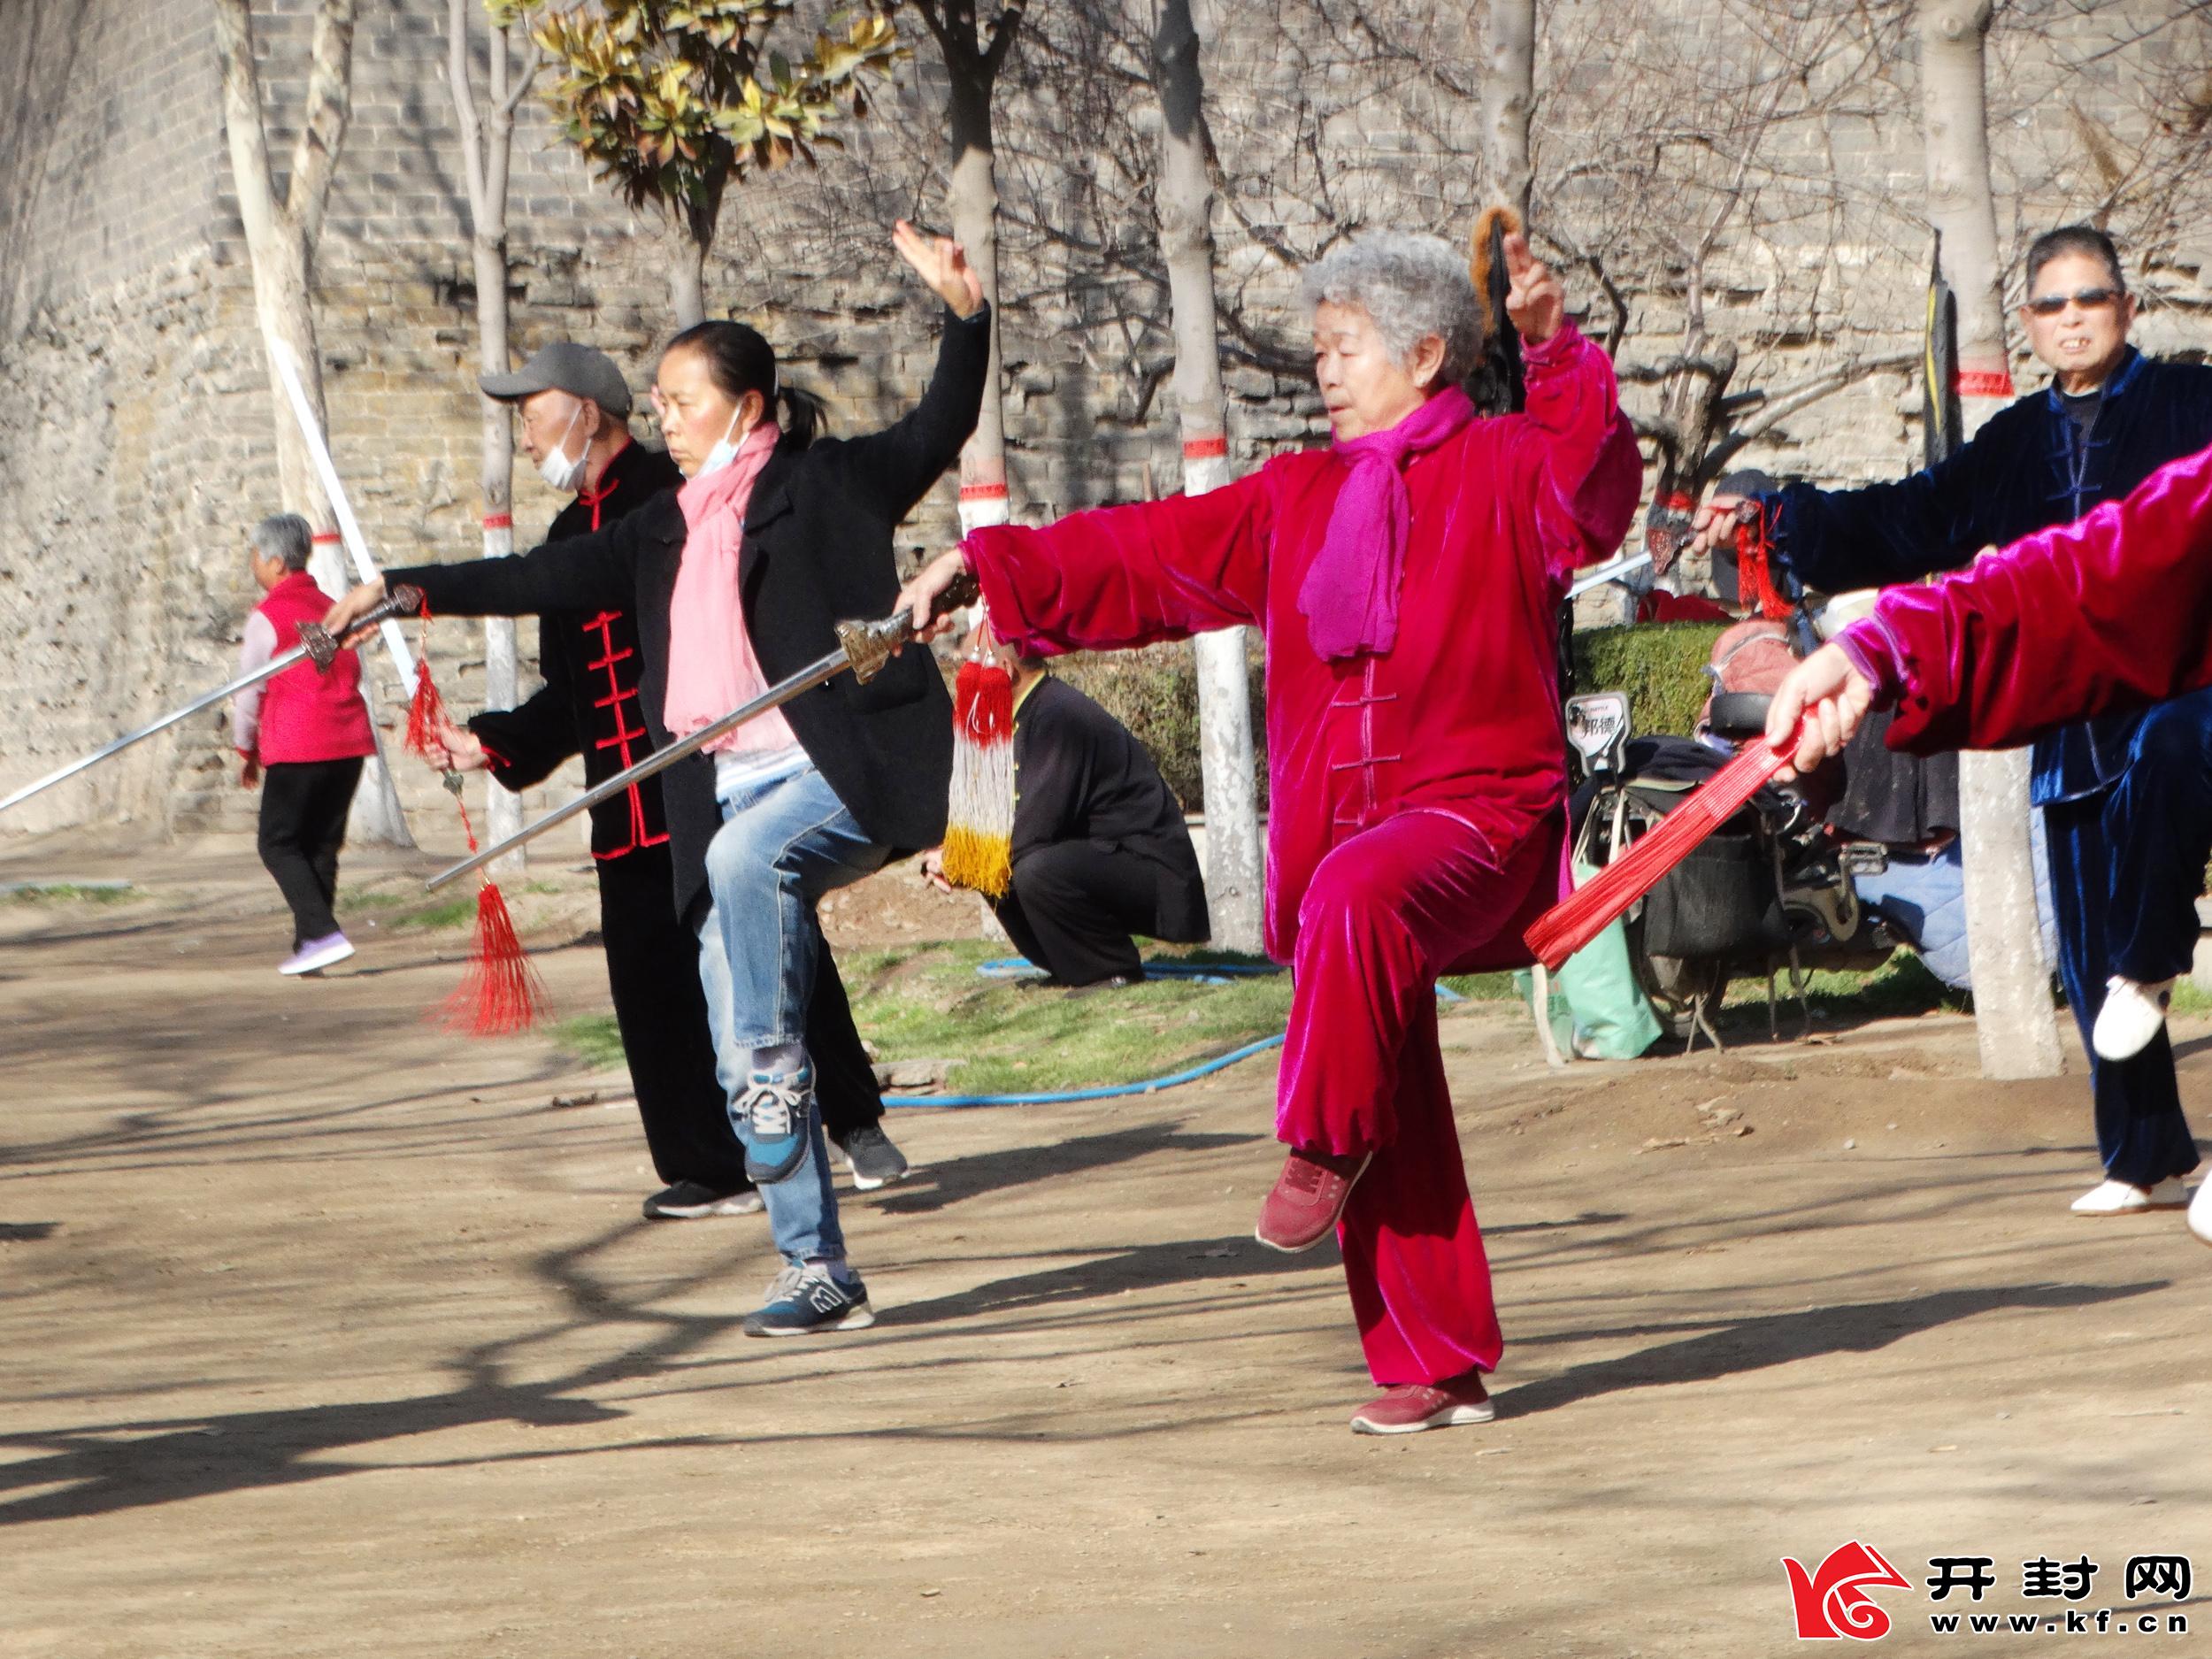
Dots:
{"x": 317, "y": 954}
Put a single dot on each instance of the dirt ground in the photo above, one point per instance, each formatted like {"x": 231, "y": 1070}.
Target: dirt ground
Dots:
{"x": 329, "y": 1334}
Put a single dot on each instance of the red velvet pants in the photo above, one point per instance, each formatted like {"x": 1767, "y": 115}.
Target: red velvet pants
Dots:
{"x": 1387, "y": 912}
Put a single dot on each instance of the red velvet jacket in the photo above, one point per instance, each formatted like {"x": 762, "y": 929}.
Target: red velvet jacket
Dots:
{"x": 1462, "y": 715}
{"x": 2109, "y": 612}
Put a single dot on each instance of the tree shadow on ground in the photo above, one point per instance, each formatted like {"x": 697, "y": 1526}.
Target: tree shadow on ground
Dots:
{"x": 1780, "y": 1339}
{"x": 937, "y": 1187}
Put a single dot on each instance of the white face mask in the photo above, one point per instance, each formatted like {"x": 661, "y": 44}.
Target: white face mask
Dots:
{"x": 725, "y": 451}
{"x": 557, "y": 469}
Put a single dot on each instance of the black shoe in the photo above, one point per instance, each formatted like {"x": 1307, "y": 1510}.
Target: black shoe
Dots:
{"x": 689, "y": 1201}
{"x": 871, "y": 1157}
{"x": 1117, "y": 982}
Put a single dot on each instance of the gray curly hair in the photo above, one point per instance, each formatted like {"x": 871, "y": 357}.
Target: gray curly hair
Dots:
{"x": 1413, "y": 286}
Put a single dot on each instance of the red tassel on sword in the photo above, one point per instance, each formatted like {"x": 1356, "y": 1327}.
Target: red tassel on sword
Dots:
{"x": 979, "y": 817}
{"x": 500, "y": 994}
{"x": 1580, "y": 917}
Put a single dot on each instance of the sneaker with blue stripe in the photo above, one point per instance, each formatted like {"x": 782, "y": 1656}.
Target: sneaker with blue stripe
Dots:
{"x": 804, "y": 1300}
{"x": 777, "y": 1114}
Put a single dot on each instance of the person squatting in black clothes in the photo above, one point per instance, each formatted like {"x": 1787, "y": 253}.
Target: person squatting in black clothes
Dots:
{"x": 1100, "y": 848}
{"x": 575, "y": 407}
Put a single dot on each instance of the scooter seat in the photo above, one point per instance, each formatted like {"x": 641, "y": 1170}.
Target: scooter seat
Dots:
{"x": 1738, "y": 715}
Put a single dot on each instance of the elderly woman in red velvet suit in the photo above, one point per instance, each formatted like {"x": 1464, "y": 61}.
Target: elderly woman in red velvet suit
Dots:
{"x": 1409, "y": 579}
{"x": 2111, "y": 612}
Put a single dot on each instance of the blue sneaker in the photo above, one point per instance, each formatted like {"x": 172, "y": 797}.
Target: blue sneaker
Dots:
{"x": 804, "y": 1300}
{"x": 778, "y": 1112}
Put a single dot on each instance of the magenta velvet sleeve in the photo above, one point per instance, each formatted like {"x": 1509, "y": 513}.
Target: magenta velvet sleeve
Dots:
{"x": 1579, "y": 471}
{"x": 1123, "y": 576}
{"x": 2109, "y": 612}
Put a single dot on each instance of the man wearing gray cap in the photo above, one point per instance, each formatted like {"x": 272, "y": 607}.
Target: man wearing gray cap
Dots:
{"x": 575, "y": 407}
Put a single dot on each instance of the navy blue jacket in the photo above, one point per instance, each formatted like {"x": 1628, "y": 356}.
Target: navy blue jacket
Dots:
{"x": 2026, "y": 470}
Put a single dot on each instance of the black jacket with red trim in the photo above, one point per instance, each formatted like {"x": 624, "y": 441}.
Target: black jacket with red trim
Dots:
{"x": 818, "y": 547}
{"x": 591, "y": 665}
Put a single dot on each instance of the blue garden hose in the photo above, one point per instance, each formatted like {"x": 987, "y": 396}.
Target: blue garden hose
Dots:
{"x": 1011, "y": 967}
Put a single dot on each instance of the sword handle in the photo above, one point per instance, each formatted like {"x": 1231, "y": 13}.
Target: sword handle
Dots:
{"x": 322, "y": 647}
{"x": 869, "y": 645}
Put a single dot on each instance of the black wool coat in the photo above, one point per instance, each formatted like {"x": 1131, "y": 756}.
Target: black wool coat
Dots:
{"x": 817, "y": 550}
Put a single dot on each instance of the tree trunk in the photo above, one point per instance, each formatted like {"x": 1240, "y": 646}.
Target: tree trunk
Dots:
{"x": 983, "y": 498}
{"x": 1508, "y": 95}
{"x": 487, "y": 137}
{"x": 1185, "y": 202}
{"x": 280, "y": 252}
{"x": 2012, "y": 981}
{"x": 687, "y": 277}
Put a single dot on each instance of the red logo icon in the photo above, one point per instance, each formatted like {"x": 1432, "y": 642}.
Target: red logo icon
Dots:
{"x": 1834, "y": 1603}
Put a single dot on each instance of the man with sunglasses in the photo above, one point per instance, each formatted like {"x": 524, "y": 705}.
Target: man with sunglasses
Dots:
{"x": 2123, "y": 879}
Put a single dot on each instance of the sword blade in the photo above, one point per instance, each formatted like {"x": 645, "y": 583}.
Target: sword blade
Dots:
{"x": 274, "y": 665}
{"x": 815, "y": 673}
{"x": 348, "y": 527}
{"x": 1605, "y": 573}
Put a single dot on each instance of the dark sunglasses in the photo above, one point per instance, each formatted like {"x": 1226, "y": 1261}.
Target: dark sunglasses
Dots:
{"x": 2088, "y": 299}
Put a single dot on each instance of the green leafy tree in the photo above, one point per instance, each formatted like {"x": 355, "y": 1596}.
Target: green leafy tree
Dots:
{"x": 673, "y": 100}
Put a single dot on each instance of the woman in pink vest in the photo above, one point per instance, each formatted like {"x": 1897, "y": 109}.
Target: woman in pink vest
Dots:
{"x": 1408, "y": 577}
{"x": 302, "y": 736}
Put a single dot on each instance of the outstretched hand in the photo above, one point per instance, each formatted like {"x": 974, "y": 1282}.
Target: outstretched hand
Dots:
{"x": 1534, "y": 298}
{"x": 1828, "y": 697}
{"x": 1716, "y": 524}
{"x": 456, "y": 749}
{"x": 942, "y": 263}
{"x": 919, "y": 594}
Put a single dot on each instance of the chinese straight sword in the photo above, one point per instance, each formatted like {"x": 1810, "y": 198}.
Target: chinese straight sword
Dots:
{"x": 861, "y": 647}
{"x": 316, "y": 646}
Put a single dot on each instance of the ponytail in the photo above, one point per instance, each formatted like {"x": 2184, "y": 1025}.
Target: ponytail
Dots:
{"x": 805, "y": 417}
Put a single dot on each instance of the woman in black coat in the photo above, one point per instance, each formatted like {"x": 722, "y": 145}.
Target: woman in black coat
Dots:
{"x": 737, "y": 580}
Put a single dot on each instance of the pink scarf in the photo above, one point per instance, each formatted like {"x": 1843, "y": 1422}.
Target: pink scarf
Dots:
{"x": 712, "y": 668}
{"x": 1349, "y": 597}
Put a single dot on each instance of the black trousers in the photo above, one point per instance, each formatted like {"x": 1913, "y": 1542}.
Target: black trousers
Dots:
{"x": 304, "y": 806}
{"x": 2141, "y": 1134}
{"x": 653, "y": 976}
{"x": 2159, "y": 822}
{"x": 1073, "y": 905}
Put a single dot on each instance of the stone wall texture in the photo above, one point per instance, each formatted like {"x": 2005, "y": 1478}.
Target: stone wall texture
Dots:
{"x": 1739, "y": 169}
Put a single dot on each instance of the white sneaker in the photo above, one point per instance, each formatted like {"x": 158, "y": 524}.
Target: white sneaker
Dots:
{"x": 2122, "y": 1198}
{"x": 2132, "y": 1014}
{"x": 2200, "y": 1212}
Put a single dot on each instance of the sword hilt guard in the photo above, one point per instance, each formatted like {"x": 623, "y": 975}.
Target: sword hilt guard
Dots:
{"x": 323, "y": 646}
{"x": 870, "y": 645}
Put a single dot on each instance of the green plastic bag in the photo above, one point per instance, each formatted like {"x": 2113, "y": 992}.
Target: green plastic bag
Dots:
{"x": 1598, "y": 1012}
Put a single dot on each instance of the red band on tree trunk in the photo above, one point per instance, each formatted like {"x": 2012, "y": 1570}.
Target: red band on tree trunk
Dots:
{"x": 499, "y": 521}
{"x": 1205, "y": 448}
{"x": 1984, "y": 383}
{"x": 982, "y": 491}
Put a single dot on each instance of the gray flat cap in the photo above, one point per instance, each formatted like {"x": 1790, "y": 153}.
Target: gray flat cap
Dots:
{"x": 563, "y": 365}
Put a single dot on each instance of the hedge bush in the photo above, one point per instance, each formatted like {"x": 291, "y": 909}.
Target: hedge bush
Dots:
{"x": 1661, "y": 666}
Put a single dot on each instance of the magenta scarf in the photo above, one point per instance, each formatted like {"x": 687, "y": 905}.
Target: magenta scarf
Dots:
{"x": 1349, "y": 597}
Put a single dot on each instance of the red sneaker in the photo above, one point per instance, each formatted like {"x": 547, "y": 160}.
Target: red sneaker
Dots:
{"x": 1411, "y": 1407}
{"x": 1309, "y": 1195}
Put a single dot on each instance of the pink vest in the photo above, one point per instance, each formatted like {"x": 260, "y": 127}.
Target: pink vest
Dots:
{"x": 306, "y": 715}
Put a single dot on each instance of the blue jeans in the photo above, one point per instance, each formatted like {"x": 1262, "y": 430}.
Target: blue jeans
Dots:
{"x": 783, "y": 844}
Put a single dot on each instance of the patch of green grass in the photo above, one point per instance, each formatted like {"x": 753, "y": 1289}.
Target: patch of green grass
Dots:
{"x": 929, "y": 1002}
{"x": 1482, "y": 987}
{"x": 1901, "y": 988}
{"x": 592, "y": 1038}
{"x": 69, "y": 892}
{"x": 452, "y": 913}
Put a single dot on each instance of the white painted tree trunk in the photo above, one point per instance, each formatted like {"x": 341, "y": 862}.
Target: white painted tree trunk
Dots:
{"x": 1509, "y": 98}
{"x": 487, "y": 144}
{"x": 983, "y": 494}
{"x": 280, "y": 238}
{"x": 2012, "y": 981}
{"x": 1184, "y": 198}
{"x": 687, "y": 277}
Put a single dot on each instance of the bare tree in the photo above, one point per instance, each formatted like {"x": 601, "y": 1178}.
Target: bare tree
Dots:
{"x": 1509, "y": 101}
{"x": 974, "y": 52}
{"x": 1185, "y": 202}
{"x": 488, "y": 132}
{"x": 281, "y": 234}
{"x": 2012, "y": 982}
